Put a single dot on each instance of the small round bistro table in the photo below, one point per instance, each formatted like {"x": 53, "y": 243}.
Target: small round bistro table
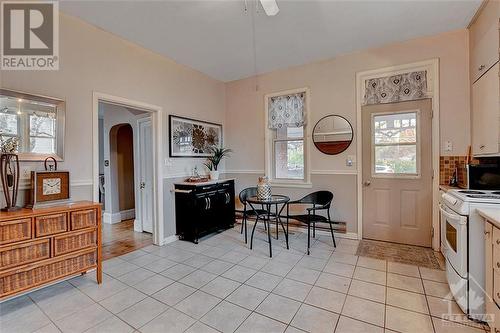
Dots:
{"x": 275, "y": 200}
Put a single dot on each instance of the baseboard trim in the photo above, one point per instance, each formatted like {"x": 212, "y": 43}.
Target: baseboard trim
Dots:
{"x": 137, "y": 225}
{"x": 169, "y": 239}
{"x": 111, "y": 218}
{"x": 127, "y": 214}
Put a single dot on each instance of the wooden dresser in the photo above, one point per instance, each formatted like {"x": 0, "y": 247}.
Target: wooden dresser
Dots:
{"x": 48, "y": 244}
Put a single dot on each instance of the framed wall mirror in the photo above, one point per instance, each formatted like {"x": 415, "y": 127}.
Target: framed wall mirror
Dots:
{"x": 37, "y": 121}
{"x": 332, "y": 134}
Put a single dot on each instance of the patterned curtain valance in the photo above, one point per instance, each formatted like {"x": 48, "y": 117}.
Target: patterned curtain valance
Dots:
{"x": 396, "y": 88}
{"x": 287, "y": 111}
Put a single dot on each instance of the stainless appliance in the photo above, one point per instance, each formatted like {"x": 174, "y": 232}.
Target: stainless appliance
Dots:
{"x": 463, "y": 235}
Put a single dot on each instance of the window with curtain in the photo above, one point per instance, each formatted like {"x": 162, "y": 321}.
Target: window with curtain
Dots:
{"x": 286, "y": 115}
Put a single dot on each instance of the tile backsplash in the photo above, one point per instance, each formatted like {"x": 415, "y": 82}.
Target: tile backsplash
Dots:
{"x": 447, "y": 165}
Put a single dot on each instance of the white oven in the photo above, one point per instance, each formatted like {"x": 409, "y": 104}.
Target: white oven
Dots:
{"x": 454, "y": 228}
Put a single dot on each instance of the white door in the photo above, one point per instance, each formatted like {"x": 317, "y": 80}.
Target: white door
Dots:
{"x": 397, "y": 172}
{"x": 145, "y": 164}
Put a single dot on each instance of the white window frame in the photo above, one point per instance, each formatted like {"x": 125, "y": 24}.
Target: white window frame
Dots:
{"x": 416, "y": 175}
{"x": 270, "y": 139}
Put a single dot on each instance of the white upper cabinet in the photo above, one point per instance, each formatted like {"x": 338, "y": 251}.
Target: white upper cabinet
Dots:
{"x": 485, "y": 113}
{"x": 484, "y": 44}
{"x": 484, "y": 40}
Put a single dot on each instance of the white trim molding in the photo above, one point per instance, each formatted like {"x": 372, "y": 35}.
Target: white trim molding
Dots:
{"x": 156, "y": 112}
{"x": 111, "y": 218}
{"x": 127, "y": 214}
{"x": 169, "y": 239}
{"x": 334, "y": 172}
{"x": 431, "y": 66}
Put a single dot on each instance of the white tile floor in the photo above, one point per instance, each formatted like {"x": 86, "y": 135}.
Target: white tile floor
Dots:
{"x": 220, "y": 285}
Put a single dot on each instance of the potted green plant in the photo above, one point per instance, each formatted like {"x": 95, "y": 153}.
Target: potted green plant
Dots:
{"x": 213, "y": 161}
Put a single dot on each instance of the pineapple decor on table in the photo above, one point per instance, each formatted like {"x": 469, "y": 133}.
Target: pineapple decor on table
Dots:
{"x": 263, "y": 189}
{"x": 9, "y": 171}
{"x": 213, "y": 161}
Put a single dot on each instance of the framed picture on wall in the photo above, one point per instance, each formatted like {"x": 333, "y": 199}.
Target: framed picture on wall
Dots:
{"x": 193, "y": 138}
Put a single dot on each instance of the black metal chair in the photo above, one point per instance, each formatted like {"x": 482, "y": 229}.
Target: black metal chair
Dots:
{"x": 244, "y": 194}
{"x": 320, "y": 200}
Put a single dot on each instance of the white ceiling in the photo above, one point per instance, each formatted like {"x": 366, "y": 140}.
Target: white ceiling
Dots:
{"x": 215, "y": 37}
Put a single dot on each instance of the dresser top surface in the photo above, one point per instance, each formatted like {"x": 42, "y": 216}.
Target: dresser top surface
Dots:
{"x": 26, "y": 212}
{"x": 210, "y": 182}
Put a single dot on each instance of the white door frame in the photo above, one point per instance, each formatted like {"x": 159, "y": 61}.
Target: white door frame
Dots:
{"x": 138, "y": 224}
{"x": 156, "y": 112}
{"x": 432, "y": 68}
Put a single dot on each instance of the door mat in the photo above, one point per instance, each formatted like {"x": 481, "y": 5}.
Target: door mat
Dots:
{"x": 405, "y": 254}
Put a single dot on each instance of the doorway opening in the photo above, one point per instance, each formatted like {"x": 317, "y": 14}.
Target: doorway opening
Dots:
{"x": 123, "y": 177}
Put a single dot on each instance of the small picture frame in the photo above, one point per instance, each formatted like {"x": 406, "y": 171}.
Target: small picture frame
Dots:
{"x": 193, "y": 138}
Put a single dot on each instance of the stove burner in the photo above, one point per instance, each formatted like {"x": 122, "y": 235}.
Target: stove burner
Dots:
{"x": 483, "y": 196}
{"x": 471, "y": 192}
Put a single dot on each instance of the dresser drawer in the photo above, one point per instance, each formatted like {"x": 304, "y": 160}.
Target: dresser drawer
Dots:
{"x": 50, "y": 224}
{"x": 74, "y": 241}
{"x": 83, "y": 219}
{"x": 33, "y": 275}
{"x": 25, "y": 253}
{"x": 15, "y": 231}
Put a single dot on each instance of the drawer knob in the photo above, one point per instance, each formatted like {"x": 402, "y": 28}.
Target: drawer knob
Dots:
{"x": 481, "y": 67}
{"x": 482, "y": 147}
{"x": 498, "y": 264}
{"x": 498, "y": 241}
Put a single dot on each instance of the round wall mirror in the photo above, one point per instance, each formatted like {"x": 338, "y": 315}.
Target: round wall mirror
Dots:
{"x": 332, "y": 134}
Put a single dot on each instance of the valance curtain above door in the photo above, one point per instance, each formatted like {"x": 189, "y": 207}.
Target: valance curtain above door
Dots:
{"x": 287, "y": 111}
{"x": 396, "y": 88}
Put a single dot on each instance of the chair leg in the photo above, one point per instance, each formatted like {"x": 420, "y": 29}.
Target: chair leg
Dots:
{"x": 253, "y": 230}
{"x": 331, "y": 229}
{"x": 308, "y": 237}
{"x": 244, "y": 216}
{"x": 245, "y": 222}
{"x": 314, "y": 229}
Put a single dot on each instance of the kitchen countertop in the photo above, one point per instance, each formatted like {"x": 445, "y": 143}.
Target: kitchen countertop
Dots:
{"x": 210, "y": 182}
{"x": 490, "y": 214}
{"x": 446, "y": 188}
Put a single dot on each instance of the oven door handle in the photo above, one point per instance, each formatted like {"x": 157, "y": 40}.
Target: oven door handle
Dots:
{"x": 452, "y": 216}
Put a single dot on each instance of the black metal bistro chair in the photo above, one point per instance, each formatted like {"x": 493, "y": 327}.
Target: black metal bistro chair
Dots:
{"x": 320, "y": 200}
{"x": 244, "y": 194}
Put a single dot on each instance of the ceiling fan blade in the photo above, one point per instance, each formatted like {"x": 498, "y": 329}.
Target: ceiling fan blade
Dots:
{"x": 270, "y": 7}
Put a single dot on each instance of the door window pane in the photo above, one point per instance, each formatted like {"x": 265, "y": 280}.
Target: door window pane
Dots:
{"x": 395, "y": 144}
{"x": 396, "y": 159}
{"x": 289, "y": 159}
{"x": 396, "y": 128}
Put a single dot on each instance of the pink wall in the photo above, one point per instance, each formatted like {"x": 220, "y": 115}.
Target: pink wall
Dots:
{"x": 332, "y": 85}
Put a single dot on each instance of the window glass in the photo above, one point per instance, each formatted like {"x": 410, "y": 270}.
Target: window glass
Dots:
{"x": 8, "y": 124}
{"x": 395, "y": 144}
{"x": 289, "y": 159}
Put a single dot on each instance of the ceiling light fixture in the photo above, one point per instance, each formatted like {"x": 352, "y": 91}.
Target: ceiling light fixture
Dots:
{"x": 270, "y": 7}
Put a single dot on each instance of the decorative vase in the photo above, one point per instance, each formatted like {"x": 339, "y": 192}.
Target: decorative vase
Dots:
{"x": 214, "y": 174}
{"x": 263, "y": 189}
{"x": 9, "y": 173}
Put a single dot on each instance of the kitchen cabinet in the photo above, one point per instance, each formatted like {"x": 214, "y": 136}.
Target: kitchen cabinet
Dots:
{"x": 484, "y": 40}
{"x": 492, "y": 276}
{"x": 486, "y": 113}
{"x": 201, "y": 208}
